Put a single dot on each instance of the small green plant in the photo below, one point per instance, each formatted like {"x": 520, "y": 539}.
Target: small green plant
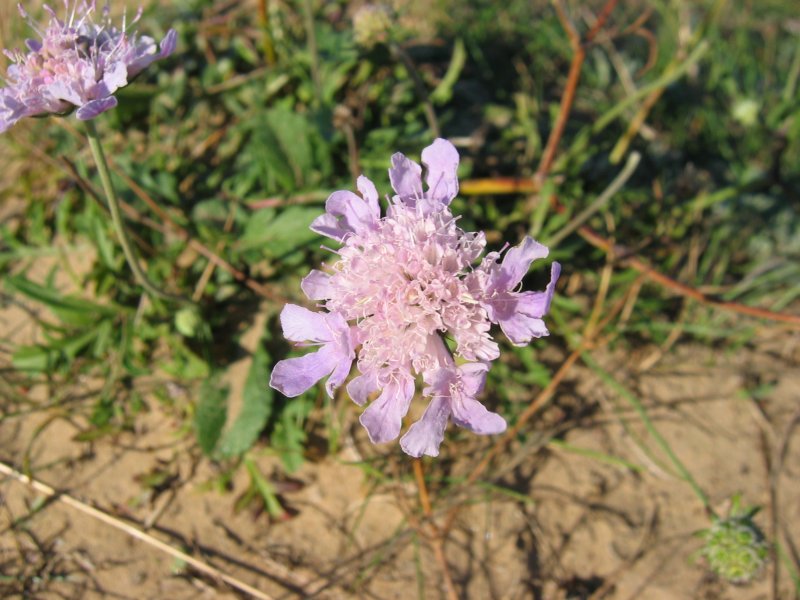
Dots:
{"x": 734, "y": 545}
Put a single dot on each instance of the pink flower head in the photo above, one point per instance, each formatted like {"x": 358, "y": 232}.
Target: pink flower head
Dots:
{"x": 407, "y": 282}
{"x": 79, "y": 63}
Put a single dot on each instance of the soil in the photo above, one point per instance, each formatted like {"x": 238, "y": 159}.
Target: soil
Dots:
{"x": 599, "y": 513}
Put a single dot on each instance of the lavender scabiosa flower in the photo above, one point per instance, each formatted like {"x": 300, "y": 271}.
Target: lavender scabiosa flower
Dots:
{"x": 78, "y": 63}
{"x": 402, "y": 286}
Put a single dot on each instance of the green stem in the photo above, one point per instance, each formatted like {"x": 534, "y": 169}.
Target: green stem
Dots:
{"x": 266, "y": 44}
{"x": 116, "y": 217}
{"x": 313, "y": 50}
{"x": 430, "y": 114}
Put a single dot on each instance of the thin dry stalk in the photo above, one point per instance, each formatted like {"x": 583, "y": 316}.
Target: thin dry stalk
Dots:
{"x": 435, "y": 538}
{"x": 133, "y": 532}
{"x": 682, "y": 289}
{"x": 574, "y": 75}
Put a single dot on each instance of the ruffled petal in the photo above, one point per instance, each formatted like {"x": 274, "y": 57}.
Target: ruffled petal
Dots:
{"x": 516, "y": 263}
{"x": 370, "y": 194}
{"x": 317, "y": 285}
{"x": 550, "y": 290}
{"x": 293, "y": 376}
{"x": 168, "y": 44}
{"x": 95, "y": 107}
{"x": 347, "y": 213}
{"x": 115, "y": 77}
{"x": 340, "y": 372}
{"x": 362, "y": 386}
{"x": 329, "y": 226}
{"x": 441, "y": 160}
{"x": 355, "y": 215}
{"x": 472, "y": 415}
{"x": 519, "y": 314}
{"x": 405, "y": 176}
{"x": 426, "y": 435}
{"x": 473, "y": 377}
{"x": 521, "y": 329}
{"x": 302, "y": 325}
{"x": 384, "y": 417}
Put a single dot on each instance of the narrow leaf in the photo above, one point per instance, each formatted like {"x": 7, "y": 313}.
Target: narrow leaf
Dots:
{"x": 256, "y": 407}
{"x": 209, "y": 417}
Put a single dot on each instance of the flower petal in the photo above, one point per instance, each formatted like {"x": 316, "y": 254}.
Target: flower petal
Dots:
{"x": 115, "y": 77}
{"x": 293, "y": 376}
{"x": 168, "y": 44}
{"x": 384, "y": 417}
{"x": 516, "y": 263}
{"x": 355, "y": 214}
{"x": 405, "y": 176}
{"x": 472, "y": 415}
{"x": 441, "y": 160}
{"x": 426, "y": 435}
{"x": 362, "y": 386}
{"x": 519, "y": 314}
{"x": 370, "y": 194}
{"x": 473, "y": 377}
{"x": 340, "y": 373}
{"x": 95, "y": 107}
{"x": 329, "y": 226}
{"x": 347, "y": 213}
{"x": 317, "y": 285}
{"x": 300, "y": 325}
{"x": 521, "y": 329}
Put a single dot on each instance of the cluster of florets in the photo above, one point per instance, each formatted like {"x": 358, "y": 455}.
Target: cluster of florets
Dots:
{"x": 405, "y": 297}
{"x": 734, "y": 546}
{"x": 78, "y": 63}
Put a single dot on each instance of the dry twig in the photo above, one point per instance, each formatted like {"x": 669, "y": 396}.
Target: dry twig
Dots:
{"x": 133, "y": 532}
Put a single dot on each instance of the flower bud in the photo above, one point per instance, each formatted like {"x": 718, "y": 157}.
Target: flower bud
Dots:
{"x": 371, "y": 25}
{"x": 735, "y": 547}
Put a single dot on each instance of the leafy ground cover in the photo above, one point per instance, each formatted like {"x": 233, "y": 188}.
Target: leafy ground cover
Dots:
{"x": 653, "y": 146}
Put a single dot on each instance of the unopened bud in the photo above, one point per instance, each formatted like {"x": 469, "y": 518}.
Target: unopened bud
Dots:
{"x": 735, "y": 547}
{"x": 371, "y": 25}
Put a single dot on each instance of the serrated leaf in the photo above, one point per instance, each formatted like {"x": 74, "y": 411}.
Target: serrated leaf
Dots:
{"x": 256, "y": 407}
{"x": 209, "y": 417}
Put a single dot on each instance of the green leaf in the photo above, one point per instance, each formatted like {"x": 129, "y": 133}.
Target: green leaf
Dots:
{"x": 279, "y": 235}
{"x": 209, "y": 418}
{"x": 265, "y": 489}
{"x": 444, "y": 91}
{"x": 288, "y": 439}
{"x": 34, "y": 358}
{"x": 256, "y": 408}
{"x": 72, "y": 310}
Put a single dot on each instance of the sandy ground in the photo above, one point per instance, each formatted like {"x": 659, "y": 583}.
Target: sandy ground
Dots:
{"x": 559, "y": 523}
{"x": 578, "y": 527}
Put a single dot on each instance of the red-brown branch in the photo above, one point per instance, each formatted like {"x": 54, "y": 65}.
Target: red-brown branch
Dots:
{"x": 573, "y": 77}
